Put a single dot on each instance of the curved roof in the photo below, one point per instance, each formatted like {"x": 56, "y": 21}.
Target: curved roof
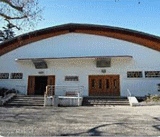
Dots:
{"x": 133, "y": 36}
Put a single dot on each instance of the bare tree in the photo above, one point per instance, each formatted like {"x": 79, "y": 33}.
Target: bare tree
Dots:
{"x": 20, "y": 13}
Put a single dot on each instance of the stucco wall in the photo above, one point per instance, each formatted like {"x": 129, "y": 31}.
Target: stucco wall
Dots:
{"x": 73, "y": 45}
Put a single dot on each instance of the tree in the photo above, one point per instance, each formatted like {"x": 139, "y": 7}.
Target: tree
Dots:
{"x": 8, "y": 32}
{"x": 20, "y": 13}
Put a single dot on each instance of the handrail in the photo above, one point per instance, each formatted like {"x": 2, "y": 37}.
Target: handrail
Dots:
{"x": 6, "y": 92}
{"x": 129, "y": 92}
{"x": 79, "y": 89}
{"x": 50, "y": 90}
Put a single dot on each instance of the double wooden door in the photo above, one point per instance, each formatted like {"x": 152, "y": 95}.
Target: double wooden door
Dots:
{"x": 33, "y": 83}
{"x": 104, "y": 85}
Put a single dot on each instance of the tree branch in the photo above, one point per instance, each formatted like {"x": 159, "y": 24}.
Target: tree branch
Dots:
{"x": 12, "y": 18}
{"x": 13, "y": 6}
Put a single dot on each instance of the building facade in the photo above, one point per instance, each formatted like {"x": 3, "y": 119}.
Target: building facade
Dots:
{"x": 105, "y": 61}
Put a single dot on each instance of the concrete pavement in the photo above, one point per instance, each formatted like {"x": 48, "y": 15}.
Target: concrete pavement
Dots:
{"x": 80, "y": 121}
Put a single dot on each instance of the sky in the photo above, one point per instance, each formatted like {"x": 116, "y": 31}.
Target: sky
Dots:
{"x": 140, "y": 15}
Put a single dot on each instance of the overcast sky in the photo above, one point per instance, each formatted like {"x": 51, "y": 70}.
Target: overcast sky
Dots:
{"x": 141, "y": 15}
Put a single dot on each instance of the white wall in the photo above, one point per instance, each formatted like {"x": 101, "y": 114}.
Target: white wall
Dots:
{"x": 72, "y": 45}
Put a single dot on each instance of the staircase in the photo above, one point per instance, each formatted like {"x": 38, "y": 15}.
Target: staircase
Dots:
{"x": 104, "y": 100}
{"x": 26, "y": 100}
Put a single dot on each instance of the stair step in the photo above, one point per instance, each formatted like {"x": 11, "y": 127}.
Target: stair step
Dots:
{"x": 104, "y": 100}
{"x": 24, "y": 105}
{"x": 105, "y": 104}
{"x": 23, "y": 100}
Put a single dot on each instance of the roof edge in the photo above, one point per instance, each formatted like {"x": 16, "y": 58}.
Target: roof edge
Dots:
{"x": 144, "y": 39}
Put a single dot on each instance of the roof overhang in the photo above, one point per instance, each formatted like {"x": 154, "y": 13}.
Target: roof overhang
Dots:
{"x": 69, "y": 58}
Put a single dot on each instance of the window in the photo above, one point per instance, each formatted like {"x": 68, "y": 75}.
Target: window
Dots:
{"x": 107, "y": 83}
{"x": 16, "y": 75}
{"x": 4, "y": 75}
{"x": 134, "y": 74}
{"x": 93, "y": 83}
{"x": 71, "y": 78}
{"x": 152, "y": 74}
{"x": 115, "y": 83}
{"x": 100, "y": 83}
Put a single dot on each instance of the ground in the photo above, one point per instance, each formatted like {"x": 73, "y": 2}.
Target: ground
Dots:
{"x": 81, "y": 121}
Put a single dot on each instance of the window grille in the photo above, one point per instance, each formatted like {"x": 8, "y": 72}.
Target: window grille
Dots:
{"x": 4, "y": 75}
{"x": 134, "y": 74}
{"x": 152, "y": 74}
{"x": 16, "y": 75}
{"x": 71, "y": 78}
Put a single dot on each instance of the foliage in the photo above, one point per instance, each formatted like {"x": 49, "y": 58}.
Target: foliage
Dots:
{"x": 3, "y": 90}
{"x": 8, "y": 32}
{"x": 21, "y": 14}
{"x": 152, "y": 98}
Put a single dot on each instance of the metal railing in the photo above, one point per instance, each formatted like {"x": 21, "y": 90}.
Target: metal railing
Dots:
{"x": 64, "y": 93}
{"x": 5, "y": 93}
{"x": 62, "y": 90}
{"x": 129, "y": 92}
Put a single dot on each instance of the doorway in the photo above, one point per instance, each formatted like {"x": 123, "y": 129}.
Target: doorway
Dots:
{"x": 40, "y": 85}
{"x": 104, "y": 85}
{"x": 37, "y": 84}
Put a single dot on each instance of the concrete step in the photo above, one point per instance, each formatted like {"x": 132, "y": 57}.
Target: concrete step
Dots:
{"x": 21, "y": 104}
{"x": 106, "y": 105}
{"x": 17, "y": 101}
{"x": 29, "y": 99}
{"x": 113, "y": 102}
{"x": 105, "y": 100}
{"x": 23, "y": 100}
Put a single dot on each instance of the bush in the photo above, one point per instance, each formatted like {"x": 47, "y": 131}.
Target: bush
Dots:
{"x": 153, "y": 98}
{"x": 3, "y": 90}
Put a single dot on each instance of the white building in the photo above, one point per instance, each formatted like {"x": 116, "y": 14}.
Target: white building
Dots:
{"x": 105, "y": 60}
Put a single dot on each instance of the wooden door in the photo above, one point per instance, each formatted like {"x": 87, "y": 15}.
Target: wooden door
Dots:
{"x": 51, "y": 81}
{"x": 115, "y": 86}
{"x": 107, "y": 85}
{"x": 31, "y": 85}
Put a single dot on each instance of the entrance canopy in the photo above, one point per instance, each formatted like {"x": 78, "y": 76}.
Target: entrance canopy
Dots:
{"x": 84, "y": 57}
{"x": 101, "y": 61}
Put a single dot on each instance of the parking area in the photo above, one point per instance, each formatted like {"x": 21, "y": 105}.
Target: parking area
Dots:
{"x": 80, "y": 121}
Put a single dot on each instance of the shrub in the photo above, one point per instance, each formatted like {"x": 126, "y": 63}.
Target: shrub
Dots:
{"x": 3, "y": 90}
{"x": 153, "y": 98}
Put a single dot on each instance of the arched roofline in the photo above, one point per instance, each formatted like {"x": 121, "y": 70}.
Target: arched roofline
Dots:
{"x": 133, "y": 36}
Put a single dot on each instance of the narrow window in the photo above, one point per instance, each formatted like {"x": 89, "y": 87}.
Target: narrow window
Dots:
{"x": 107, "y": 83}
{"x": 93, "y": 83}
{"x": 115, "y": 83}
{"x": 100, "y": 84}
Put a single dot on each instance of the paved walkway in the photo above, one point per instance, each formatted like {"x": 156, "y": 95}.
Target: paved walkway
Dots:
{"x": 82, "y": 121}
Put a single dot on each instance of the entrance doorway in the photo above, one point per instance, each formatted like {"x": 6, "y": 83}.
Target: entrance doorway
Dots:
{"x": 37, "y": 84}
{"x": 40, "y": 85}
{"x": 104, "y": 85}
